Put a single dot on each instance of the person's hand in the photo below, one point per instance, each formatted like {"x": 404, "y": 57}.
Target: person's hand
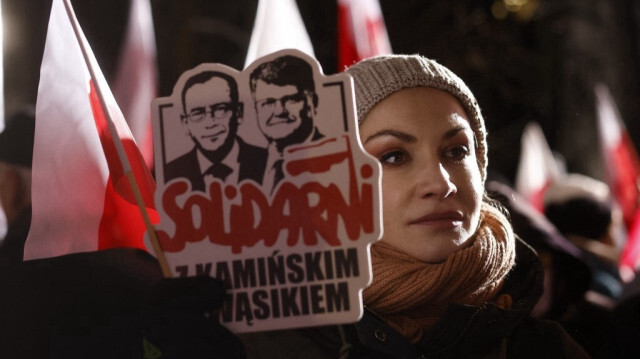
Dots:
{"x": 181, "y": 320}
{"x": 177, "y": 319}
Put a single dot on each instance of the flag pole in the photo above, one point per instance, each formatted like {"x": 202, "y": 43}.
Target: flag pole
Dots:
{"x": 126, "y": 166}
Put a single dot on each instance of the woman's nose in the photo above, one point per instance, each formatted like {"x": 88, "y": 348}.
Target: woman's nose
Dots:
{"x": 435, "y": 181}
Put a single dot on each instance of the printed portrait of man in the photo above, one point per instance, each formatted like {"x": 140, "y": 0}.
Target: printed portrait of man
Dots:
{"x": 211, "y": 112}
{"x": 285, "y": 100}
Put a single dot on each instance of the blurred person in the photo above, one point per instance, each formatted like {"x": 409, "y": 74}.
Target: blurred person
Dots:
{"x": 450, "y": 280}
{"x": 103, "y": 304}
{"x": 16, "y": 151}
{"x": 109, "y": 304}
{"x": 569, "y": 273}
{"x": 15, "y": 201}
{"x": 567, "y": 270}
{"x": 581, "y": 208}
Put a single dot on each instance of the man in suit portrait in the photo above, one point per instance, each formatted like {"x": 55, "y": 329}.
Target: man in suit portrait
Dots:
{"x": 285, "y": 100}
{"x": 210, "y": 118}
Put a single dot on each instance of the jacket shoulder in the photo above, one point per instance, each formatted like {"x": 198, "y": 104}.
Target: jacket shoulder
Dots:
{"x": 535, "y": 338}
{"x": 307, "y": 343}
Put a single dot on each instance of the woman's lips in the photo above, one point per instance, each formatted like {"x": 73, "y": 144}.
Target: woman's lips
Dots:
{"x": 439, "y": 218}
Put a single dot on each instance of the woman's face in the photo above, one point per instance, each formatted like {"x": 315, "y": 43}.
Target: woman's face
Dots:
{"x": 431, "y": 183}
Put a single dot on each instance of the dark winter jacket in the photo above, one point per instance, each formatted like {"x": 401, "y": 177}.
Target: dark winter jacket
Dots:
{"x": 464, "y": 331}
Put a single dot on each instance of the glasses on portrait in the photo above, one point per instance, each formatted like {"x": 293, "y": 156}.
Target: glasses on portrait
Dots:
{"x": 218, "y": 111}
{"x": 270, "y": 103}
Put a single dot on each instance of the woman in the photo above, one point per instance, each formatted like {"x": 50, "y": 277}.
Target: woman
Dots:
{"x": 445, "y": 283}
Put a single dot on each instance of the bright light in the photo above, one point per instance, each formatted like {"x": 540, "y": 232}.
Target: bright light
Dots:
{"x": 522, "y": 9}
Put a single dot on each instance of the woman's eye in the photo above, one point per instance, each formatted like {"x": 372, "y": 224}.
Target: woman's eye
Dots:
{"x": 457, "y": 152}
{"x": 393, "y": 157}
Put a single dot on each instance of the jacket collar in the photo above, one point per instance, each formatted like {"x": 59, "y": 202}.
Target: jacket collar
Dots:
{"x": 464, "y": 330}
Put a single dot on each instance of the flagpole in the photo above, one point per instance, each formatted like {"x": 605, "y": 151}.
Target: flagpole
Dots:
{"x": 126, "y": 166}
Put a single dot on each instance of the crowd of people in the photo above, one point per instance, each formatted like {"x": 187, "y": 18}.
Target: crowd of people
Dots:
{"x": 466, "y": 268}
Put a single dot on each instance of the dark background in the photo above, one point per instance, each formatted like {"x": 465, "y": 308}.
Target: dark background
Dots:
{"x": 536, "y": 64}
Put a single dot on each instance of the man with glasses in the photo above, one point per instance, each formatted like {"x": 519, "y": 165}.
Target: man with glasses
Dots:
{"x": 211, "y": 113}
{"x": 285, "y": 99}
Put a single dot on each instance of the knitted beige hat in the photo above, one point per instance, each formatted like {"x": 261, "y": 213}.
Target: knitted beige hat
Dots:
{"x": 378, "y": 77}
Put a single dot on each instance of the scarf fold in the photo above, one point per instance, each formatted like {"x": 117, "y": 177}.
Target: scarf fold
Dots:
{"x": 411, "y": 295}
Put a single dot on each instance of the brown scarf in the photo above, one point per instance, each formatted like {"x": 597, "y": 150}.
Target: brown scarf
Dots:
{"x": 410, "y": 295}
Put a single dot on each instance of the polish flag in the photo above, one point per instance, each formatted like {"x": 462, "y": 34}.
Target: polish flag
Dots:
{"x": 537, "y": 167}
{"x": 91, "y": 189}
{"x": 135, "y": 84}
{"x": 278, "y": 26}
{"x": 361, "y": 31}
{"x": 618, "y": 154}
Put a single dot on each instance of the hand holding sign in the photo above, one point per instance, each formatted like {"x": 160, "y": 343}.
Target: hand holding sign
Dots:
{"x": 289, "y": 224}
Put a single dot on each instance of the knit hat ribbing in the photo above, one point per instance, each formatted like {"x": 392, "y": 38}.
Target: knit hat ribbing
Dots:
{"x": 378, "y": 77}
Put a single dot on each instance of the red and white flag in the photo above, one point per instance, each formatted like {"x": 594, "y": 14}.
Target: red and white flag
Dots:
{"x": 537, "y": 167}
{"x": 619, "y": 154}
{"x": 82, "y": 196}
{"x": 278, "y": 26}
{"x": 135, "y": 84}
{"x": 361, "y": 31}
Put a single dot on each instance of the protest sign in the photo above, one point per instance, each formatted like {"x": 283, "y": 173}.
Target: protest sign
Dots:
{"x": 262, "y": 181}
